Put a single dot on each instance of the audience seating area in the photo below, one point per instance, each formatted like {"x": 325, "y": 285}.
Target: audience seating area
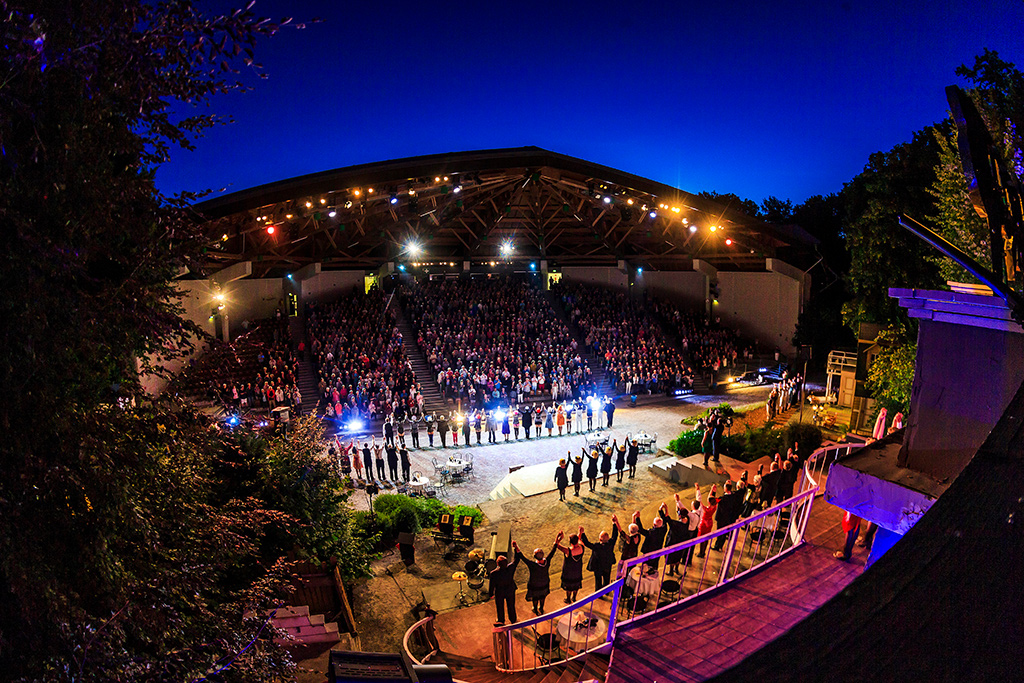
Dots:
{"x": 626, "y": 338}
{"x": 710, "y": 346}
{"x": 495, "y": 340}
{"x": 256, "y": 370}
{"x": 357, "y": 350}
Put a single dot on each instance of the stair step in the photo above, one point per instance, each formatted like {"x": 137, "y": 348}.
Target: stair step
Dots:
{"x": 298, "y": 622}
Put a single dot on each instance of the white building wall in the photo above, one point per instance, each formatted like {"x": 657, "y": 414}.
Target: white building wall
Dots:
{"x": 764, "y": 306}
{"x": 687, "y": 289}
{"x": 329, "y": 285}
{"x": 603, "y": 277}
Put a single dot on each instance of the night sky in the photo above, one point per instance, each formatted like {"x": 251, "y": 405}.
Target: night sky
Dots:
{"x": 770, "y": 98}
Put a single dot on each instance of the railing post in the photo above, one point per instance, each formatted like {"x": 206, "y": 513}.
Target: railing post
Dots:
{"x": 727, "y": 558}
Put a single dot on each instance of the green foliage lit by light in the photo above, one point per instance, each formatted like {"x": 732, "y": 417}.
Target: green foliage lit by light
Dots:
{"x": 891, "y": 375}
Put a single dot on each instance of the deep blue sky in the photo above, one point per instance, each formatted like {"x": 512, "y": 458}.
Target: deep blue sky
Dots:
{"x": 767, "y": 98}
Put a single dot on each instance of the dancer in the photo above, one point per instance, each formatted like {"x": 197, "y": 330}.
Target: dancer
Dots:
{"x": 572, "y": 567}
{"x": 620, "y": 462}
{"x": 577, "y": 473}
{"x": 602, "y": 556}
{"x": 632, "y": 456}
{"x": 561, "y": 479}
{"x": 539, "y": 585}
{"x": 592, "y": 461}
{"x": 606, "y": 465}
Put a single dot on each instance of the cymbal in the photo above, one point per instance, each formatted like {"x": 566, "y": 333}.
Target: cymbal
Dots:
{"x": 459, "y": 576}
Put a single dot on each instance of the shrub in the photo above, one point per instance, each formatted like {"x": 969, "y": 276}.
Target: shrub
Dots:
{"x": 722, "y": 408}
{"x": 396, "y": 513}
{"x": 430, "y": 511}
{"x": 687, "y": 443}
{"x": 461, "y": 510}
{"x": 808, "y": 436}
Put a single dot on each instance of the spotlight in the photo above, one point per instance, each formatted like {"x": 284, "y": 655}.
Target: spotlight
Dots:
{"x": 354, "y": 425}
{"x": 533, "y": 266}
{"x": 713, "y": 228}
{"x": 675, "y": 209}
{"x": 412, "y": 192}
{"x": 437, "y": 179}
{"x": 693, "y": 228}
{"x": 394, "y": 199}
{"x": 288, "y": 216}
{"x": 640, "y": 270}
{"x": 348, "y": 204}
{"x": 270, "y": 229}
{"x": 457, "y": 189}
{"x": 369, "y": 190}
{"x": 499, "y": 415}
{"x": 728, "y": 241}
{"x": 233, "y": 420}
{"x": 356, "y": 192}
{"x": 607, "y": 200}
{"x": 401, "y": 267}
{"x": 323, "y": 201}
{"x": 219, "y": 297}
{"x": 413, "y": 248}
{"x": 332, "y": 213}
{"x": 653, "y": 214}
{"x": 309, "y": 205}
{"x": 290, "y": 276}
{"x": 506, "y": 248}
{"x": 630, "y": 202}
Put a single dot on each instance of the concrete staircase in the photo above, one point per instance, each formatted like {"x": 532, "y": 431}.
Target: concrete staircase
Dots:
{"x": 303, "y": 627}
{"x": 432, "y": 398}
{"x": 684, "y": 471}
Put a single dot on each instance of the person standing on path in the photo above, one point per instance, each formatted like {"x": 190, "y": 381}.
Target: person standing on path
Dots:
{"x": 561, "y": 479}
{"x": 572, "y": 565}
{"x": 606, "y": 465}
{"x": 632, "y": 456}
{"x": 592, "y": 462}
{"x": 539, "y": 585}
{"x": 577, "y": 473}
{"x": 503, "y": 588}
{"x": 620, "y": 462}
{"x": 602, "y": 556}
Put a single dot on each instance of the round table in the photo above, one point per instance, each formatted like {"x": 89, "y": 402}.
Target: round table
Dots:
{"x": 649, "y": 584}
{"x": 591, "y": 636}
{"x": 417, "y": 484}
{"x": 456, "y": 464}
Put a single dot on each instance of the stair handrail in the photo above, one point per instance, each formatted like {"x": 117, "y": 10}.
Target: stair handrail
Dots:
{"x": 431, "y": 640}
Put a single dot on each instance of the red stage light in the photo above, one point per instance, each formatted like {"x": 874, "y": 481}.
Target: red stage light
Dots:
{"x": 728, "y": 241}
{"x": 270, "y": 229}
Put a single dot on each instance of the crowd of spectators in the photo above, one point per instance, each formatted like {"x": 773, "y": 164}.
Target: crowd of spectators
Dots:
{"x": 710, "y": 346}
{"x": 495, "y": 341}
{"x": 256, "y": 371}
{"x": 628, "y": 341}
{"x": 357, "y": 351}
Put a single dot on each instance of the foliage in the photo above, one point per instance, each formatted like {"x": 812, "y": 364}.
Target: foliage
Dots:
{"x": 753, "y": 444}
{"x": 999, "y": 93}
{"x": 430, "y": 511}
{"x": 891, "y": 375}
{"x": 121, "y": 556}
{"x": 396, "y": 513}
{"x": 460, "y": 511}
{"x": 687, "y": 443}
{"x": 807, "y": 436}
{"x": 954, "y": 217}
{"x": 722, "y": 408}
{"x": 733, "y": 201}
{"x": 775, "y": 210}
{"x": 883, "y": 254}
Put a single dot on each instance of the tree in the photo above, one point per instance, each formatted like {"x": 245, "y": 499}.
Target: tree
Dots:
{"x": 775, "y": 210}
{"x": 883, "y": 254}
{"x": 954, "y": 216}
{"x": 119, "y": 557}
{"x": 733, "y": 201}
{"x": 999, "y": 93}
{"x": 891, "y": 375}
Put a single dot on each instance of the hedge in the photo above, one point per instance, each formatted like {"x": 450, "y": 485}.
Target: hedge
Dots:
{"x": 754, "y": 443}
{"x": 398, "y": 513}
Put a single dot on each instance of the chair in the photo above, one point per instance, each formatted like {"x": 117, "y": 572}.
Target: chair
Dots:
{"x": 548, "y": 646}
{"x": 669, "y": 590}
{"x": 467, "y": 471}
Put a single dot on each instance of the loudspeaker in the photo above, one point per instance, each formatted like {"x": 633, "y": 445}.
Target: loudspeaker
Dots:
{"x": 466, "y": 520}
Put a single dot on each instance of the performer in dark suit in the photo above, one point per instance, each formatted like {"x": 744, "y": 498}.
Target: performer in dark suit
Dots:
{"x": 730, "y": 506}
{"x": 503, "y": 588}
{"x": 654, "y": 539}
{"x": 577, "y": 473}
{"x": 592, "y": 461}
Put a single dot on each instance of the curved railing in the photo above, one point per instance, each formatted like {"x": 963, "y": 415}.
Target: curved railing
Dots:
{"x": 423, "y": 630}
{"x": 566, "y": 634}
{"x": 644, "y": 585}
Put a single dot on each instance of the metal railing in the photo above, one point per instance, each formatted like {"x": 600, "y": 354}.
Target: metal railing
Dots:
{"x": 560, "y": 636}
{"x": 644, "y": 585}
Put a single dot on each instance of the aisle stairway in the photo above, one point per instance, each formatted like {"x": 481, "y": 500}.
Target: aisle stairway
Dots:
{"x": 433, "y": 401}
{"x": 603, "y": 381}
{"x": 307, "y": 379}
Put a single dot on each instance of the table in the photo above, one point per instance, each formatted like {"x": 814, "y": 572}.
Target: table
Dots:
{"x": 650, "y": 585}
{"x": 644, "y": 441}
{"x": 417, "y": 484}
{"x": 597, "y": 439}
{"x": 456, "y": 464}
{"x": 591, "y": 636}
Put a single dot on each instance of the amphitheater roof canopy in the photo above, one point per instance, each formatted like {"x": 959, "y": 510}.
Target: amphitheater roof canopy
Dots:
{"x": 466, "y": 206}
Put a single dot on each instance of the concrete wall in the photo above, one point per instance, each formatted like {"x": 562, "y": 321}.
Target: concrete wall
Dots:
{"x": 764, "y": 306}
{"x": 197, "y": 302}
{"x": 330, "y": 284}
{"x": 604, "y": 277}
{"x": 252, "y": 300}
{"x": 687, "y": 289}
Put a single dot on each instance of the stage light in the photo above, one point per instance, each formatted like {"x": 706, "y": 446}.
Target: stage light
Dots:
{"x": 506, "y": 248}
{"x": 401, "y": 267}
{"x": 640, "y": 270}
{"x": 653, "y": 214}
{"x": 728, "y": 241}
{"x": 290, "y": 276}
{"x": 233, "y": 420}
{"x": 446, "y": 179}
{"x": 354, "y": 425}
{"x": 219, "y": 297}
{"x": 369, "y": 190}
{"x": 607, "y": 200}
{"x": 356, "y": 192}
{"x": 675, "y": 209}
{"x": 630, "y": 202}
{"x": 323, "y": 201}
{"x": 332, "y": 213}
{"x": 224, "y": 237}
{"x": 348, "y": 204}
{"x": 492, "y": 264}
{"x": 533, "y": 266}
{"x": 309, "y": 205}
{"x": 288, "y": 216}
{"x": 457, "y": 189}
{"x": 412, "y": 192}
{"x": 413, "y": 248}
{"x": 394, "y": 199}
{"x": 499, "y": 415}
{"x": 713, "y": 228}
{"x": 437, "y": 179}
{"x": 270, "y": 229}
{"x": 693, "y": 228}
